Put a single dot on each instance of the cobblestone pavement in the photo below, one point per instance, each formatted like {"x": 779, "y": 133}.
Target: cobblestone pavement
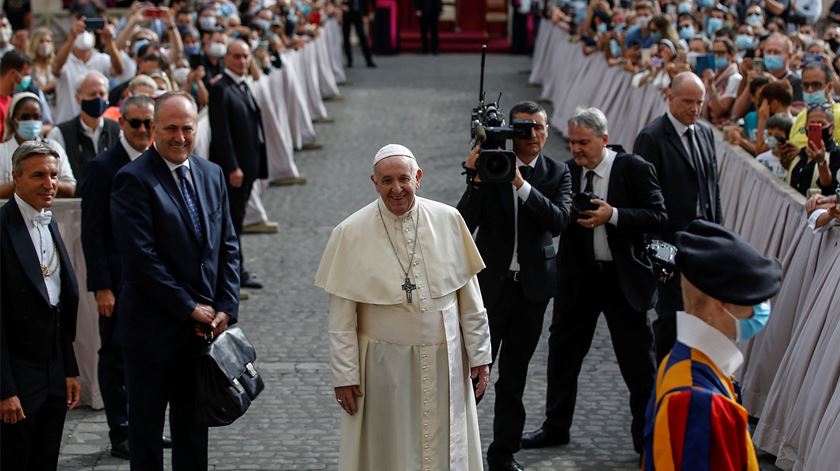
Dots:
{"x": 422, "y": 102}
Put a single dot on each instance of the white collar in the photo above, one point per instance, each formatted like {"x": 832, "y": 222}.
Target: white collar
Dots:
{"x": 237, "y": 79}
{"x": 172, "y": 166}
{"x": 26, "y": 210}
{"x": 695, "y": 333}
{"x": 131, "y": 151}
{"x": 89, "y": 129}
{"x": 386, "y": 213}
{"x": 680, "y": 127}
{"x": 603, "y": 168}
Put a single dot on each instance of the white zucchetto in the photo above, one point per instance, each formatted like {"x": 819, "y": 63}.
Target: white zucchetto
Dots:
{"x": 392, "y": 150}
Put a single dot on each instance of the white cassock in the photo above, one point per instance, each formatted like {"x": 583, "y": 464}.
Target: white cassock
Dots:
{"x": 412, "y": 360}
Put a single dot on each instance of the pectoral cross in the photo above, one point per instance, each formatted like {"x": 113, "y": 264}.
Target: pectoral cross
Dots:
{"x": 408, "y": 287}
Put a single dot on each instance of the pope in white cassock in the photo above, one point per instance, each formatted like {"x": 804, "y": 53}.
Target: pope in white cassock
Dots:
{"x": 407, "y": 328}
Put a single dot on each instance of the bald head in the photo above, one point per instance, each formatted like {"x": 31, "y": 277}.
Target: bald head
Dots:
{"x": 687, "y": 93}
{"x": 238, "y": 57}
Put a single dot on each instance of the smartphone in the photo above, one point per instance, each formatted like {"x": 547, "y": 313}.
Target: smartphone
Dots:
{"x": 153, "y": 12}
{"x": 704, "y": 62}
{"x": 758, "y": 64}
{"x": 94, "y": 24}
{"x": 815, "y": 133}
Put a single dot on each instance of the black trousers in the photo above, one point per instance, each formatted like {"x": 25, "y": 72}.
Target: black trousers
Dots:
{"x": 354, "y": 18}
{"x": 429, "y": 24}
{"x": 152, "y": 384}
{"x": 34, "y": 443}
{"x": 572, "y": 329}
{"x": 238, "y": 201}
{"x": 111, "y": 373}
{"x": 665, "y": 325}
{"x": 515, "y": 328}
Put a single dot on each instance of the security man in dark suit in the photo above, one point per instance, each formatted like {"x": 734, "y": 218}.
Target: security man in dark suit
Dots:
{"x": 516, "y": 223}
{"x": 102, "y": 257}
{"x": 38, "y": 301}
{"x": 354, "y": 13}
{"x": 428, "y": 11}
{"x": 682, "y": 150}
{"x": 180, "y": 282}
{"x": 237, "y": 141}
{"x": 602, "y": 267}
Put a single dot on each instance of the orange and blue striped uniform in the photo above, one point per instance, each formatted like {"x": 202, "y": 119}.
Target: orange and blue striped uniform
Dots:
{"x": 694, "y": 419}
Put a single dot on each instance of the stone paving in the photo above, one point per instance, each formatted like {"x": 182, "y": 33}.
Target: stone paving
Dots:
{"x": 423, "y": 102}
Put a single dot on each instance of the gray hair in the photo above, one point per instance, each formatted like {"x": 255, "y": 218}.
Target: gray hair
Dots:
{"x": 590, "y": 118}
{"x": 412, "y": 163}
{"x": 91, "y": 73}
{"x": 136, "y": 100}
{"x": 27, "y": 150}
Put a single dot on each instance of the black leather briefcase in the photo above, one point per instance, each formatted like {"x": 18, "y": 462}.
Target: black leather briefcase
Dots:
{"x": 227, "y": 380}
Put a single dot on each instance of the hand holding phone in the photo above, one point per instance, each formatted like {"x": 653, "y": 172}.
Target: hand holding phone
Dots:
{"x": 94, "y": 24}
{"x": 758, "y": 64}
{"x": 815, "y": 134}
{"x": 153, "y": 12}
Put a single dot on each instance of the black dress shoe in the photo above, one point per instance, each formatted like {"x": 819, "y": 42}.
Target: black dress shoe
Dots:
{"x": 371, "y": 65}
{"x": 506, "y": 465}
{"x": 540, "y": 438}
{"x": 120, "y": 449}
{"x": 249, "y": 281}
{"x": 166, "y": 442}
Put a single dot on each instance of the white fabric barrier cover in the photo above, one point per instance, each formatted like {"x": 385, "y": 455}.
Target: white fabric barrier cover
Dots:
{"x": 332, "y": 31}
{"x": 790, "y": 376}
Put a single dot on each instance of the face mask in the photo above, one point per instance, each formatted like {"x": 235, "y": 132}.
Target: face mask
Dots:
{"x": 262, "y": 24}
{"x": 772, "y": 143}
{"x": 615, "y": 49}
{"x": 619, "y": 28}
{"x": 691, "y": 58}
{"x": 748, "y": 328}
{"x": 217, "y": 50}
{"x": 24, "y": 84}
{"x": 6, "y": 34}
{"x": 828, "y": 138}
{"x": 207, "y": 23}
{"x": 713, "y": 26}
{"x": 684, "y": 8}
{"x": 834, "y": 43}
{"x": 643, "y": 21}
{"x": 29, "y": 130}
{"x": 180, "y": 74}
{"x": 94, "y": 107}
{"x": 744, "y": 42}
{"x": 754, "y": 21}
{"x": 721, "y": 63}
{"x": 704, "y": 4}
{"x": 84, "y": 41}
{"x": 602, "y": 28}
{"x": 814, "y": 98}
{"x": 687, "y": 32}
{"x": 774, "y": 63}
{"x": 191, "y": 50}
{"x": 45, "y": 49}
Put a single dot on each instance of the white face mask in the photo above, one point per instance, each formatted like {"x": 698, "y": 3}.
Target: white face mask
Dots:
{"x": 45, "y": 49}
{"x": 217, "y": 50}
{"x": 84, "y": 41}
{"x": 5, "y": 34}
{"x": 180, "y": 75}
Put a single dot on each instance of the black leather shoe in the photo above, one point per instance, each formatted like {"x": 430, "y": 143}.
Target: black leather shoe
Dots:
{"x": 250, "y": 281}
{"x": 371, "y": 65}
{"x": 120, "y": 449}
{"x": 166, "y": 442}
{"x": 506, "y": 465}
{"x": 540, "y": 438}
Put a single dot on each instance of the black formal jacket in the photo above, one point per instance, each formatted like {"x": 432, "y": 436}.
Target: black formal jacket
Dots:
{"x": 363, "y": 9}
{"x": 36, "y": 346}
{"x": 167, "y": 267}
{"x": 489, "y": 208}
{"x": 234, "y": 142}
{"x": 659, "y": 144}
{"x": 428, "y": 7}
{"x": 102, "y": 256}
{"x": 80, "y": 149}
{"x": 634, "y": 192}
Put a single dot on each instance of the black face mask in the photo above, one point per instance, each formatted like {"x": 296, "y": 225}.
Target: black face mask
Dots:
{"x": 834, "y": 43}
{"x": 828, "y": 139}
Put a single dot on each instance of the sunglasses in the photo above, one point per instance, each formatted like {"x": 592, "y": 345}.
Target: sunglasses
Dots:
{"x": 135, "y": 123}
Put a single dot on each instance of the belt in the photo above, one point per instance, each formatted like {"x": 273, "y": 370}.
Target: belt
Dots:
{"x": 511, "y": 275}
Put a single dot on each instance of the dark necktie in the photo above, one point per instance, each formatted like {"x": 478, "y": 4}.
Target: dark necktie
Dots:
{"x": 190, "y": 199}
{"x": 252, "y": 104}
{"x": 589, "y": 238}
{"x": 526, "y": 171}
{"x": 702, "y": 183}
{"x": 590, "y": 175}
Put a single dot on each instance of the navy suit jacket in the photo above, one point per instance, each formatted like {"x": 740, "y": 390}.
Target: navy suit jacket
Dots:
{"x": 545, "y": 214}
{"x": 102, "y": 256}
{"x": 36, "y": 346}
{"x": 660, "y": 145}
{"x": 167, "y": 267}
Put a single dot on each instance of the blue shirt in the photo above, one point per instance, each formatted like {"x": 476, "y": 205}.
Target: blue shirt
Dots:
{"x": 634, "y": 36}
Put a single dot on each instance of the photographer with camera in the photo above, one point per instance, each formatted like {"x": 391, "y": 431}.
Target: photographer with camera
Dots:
{"x": 516, "y": 221}
{"x": 602, "y": 269}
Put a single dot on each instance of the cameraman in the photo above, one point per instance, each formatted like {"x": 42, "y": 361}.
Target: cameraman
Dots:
{"x": 516, "y": 222}
{"x": 617, "y": 202}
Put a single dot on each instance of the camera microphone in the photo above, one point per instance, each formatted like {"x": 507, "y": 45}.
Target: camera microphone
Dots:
{"x": 480, "y": 134}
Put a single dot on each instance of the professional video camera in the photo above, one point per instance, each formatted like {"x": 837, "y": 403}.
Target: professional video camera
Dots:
{"x": 662, "y": 255}
{"x": 488, "y": 130}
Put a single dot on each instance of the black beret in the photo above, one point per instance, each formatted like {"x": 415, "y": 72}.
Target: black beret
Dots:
{"x": 720, "y": 264}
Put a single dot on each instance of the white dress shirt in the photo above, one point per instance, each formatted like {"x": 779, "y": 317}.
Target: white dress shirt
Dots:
{"x": 812, "y": 221}
{"x": 600, "y": 186}
{"x": 44, "y": 248}
{"x": 696, "y": 334}
{"x": 522, "y": 193}
{"x": 173, "y": 167}
{"x": 93, "y": 134}
{"x": 131, "y": 151}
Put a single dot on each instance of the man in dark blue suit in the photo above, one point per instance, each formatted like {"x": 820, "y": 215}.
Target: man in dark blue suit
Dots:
{"x": 180, "y": 259}
{"x": 38, "y": 301}
{"x": 102, "y": 256}
{"x": 516, "y": 222}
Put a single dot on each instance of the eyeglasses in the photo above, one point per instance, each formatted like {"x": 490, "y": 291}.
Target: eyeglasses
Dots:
{"x": 822, "y": 106}
{"x": 810, "y": 86}
{"x": 135, "y": 123}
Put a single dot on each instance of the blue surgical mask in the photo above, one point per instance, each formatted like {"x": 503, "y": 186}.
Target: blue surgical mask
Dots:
{"x": 772, "y": 142}
{"x": 619, "y": 28}
{"x": 687, "y": 32}
{"x": 814, "y": 98}
{"x": 684, "y": 7}
{"x": 774, "y": 63}
{"x": 704, "y": 4}
{"x": 713, "y": 26}
{"x": 748, "y": 328}
{"x": 754, "y": 21}
{"x": 615, "y": 49}
{"x": 656, "y": 36}
{"x": 24, "y": 84}
{"x": 721, "y": 63}
{"x": 191, "y": 50}
{"x": 744, "y": 42}
{"x": 30, "y": 130}
{"x": 602, "y": 28}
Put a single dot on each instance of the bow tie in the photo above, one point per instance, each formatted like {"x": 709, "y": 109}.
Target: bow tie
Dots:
{"x": 42, "y": 219}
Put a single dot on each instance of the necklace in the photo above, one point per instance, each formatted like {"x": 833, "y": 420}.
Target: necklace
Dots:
{"x": 47, "y": 269}
{"x": 407, "y": 285}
